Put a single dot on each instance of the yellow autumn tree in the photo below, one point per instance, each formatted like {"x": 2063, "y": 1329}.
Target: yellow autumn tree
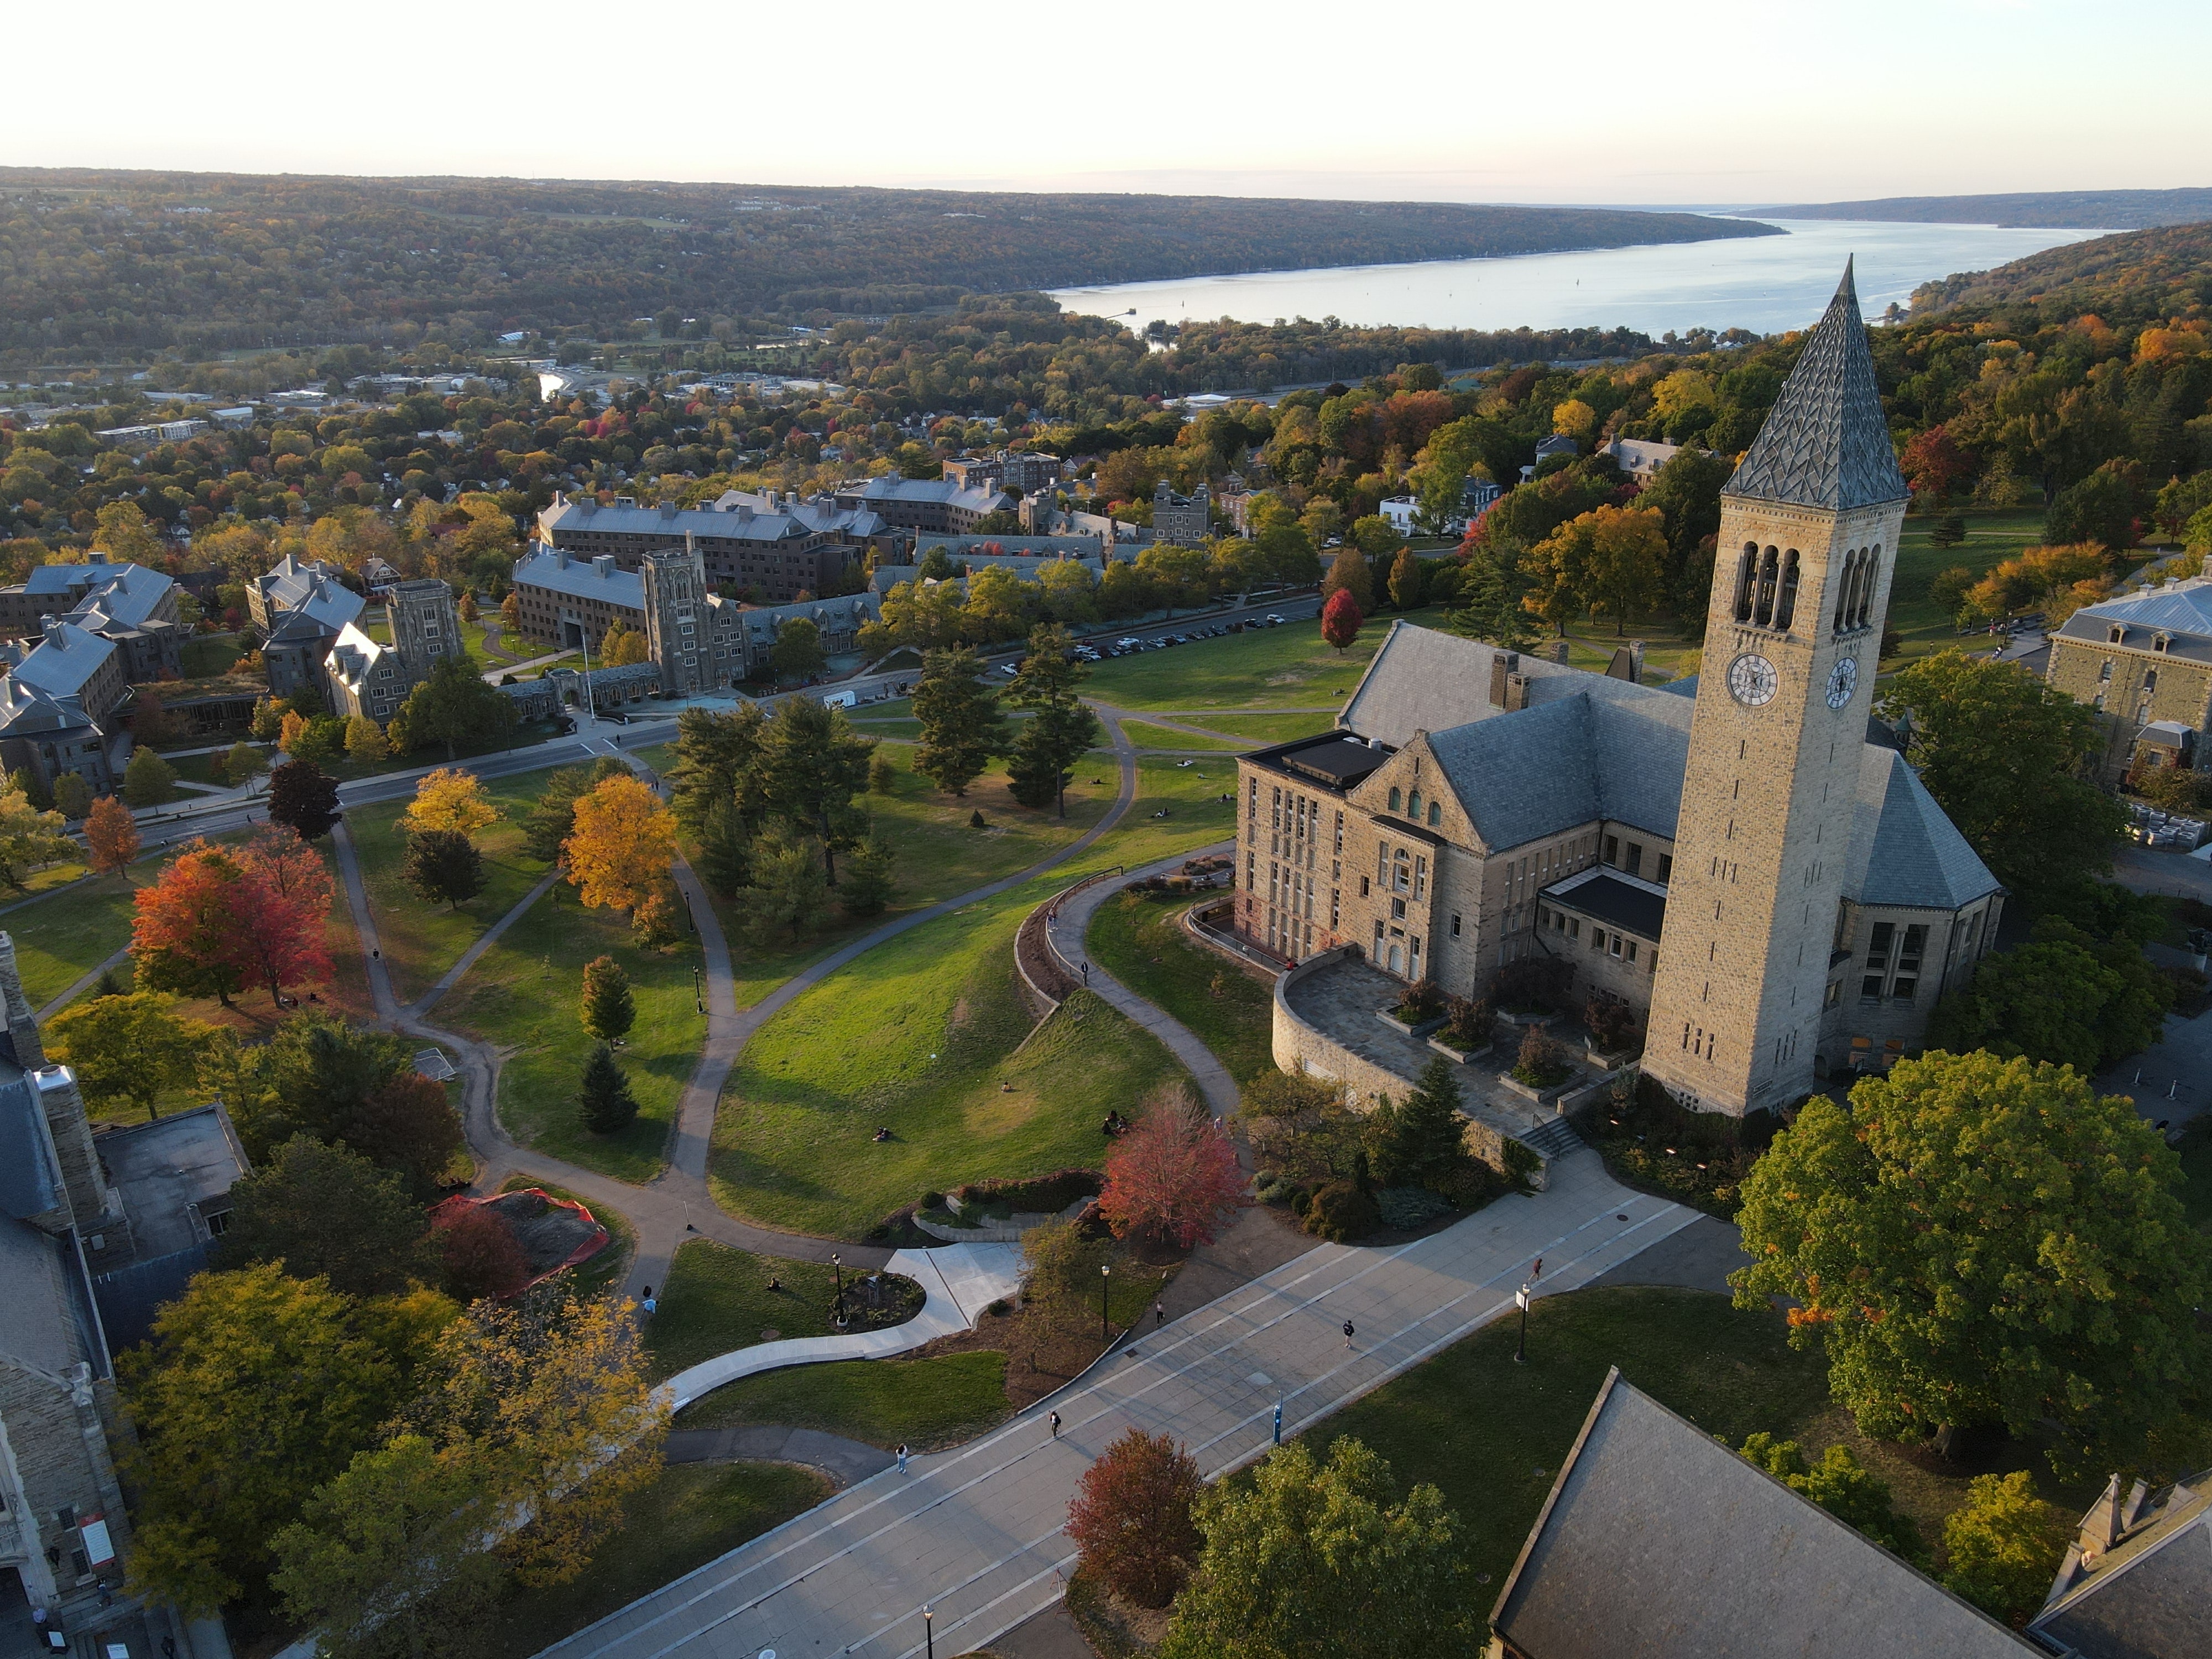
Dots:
{"x": 1613, "y": 559}
{"x": 622, "y": 845}
{"x": 449, "y": 799}
{"x": 1575, "y": 419}
{"x": 622, "y": 645}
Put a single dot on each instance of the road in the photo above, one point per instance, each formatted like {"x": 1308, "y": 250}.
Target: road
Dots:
{"x": 974, "y": 1533}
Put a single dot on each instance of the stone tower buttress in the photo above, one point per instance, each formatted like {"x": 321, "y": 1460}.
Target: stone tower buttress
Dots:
{"x": 1807, "y": 545}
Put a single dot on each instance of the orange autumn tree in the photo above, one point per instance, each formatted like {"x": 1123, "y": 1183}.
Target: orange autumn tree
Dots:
{"x": 1174, "y": 1176}
{"x": 112, "y": 835}
{"x": 622, "y": 845}
{"x": 217, "y": 918}
{"x": 287, "y": 896}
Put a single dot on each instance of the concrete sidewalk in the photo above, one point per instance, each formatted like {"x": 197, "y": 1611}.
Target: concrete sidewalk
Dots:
{"x": 975, "y": 1533}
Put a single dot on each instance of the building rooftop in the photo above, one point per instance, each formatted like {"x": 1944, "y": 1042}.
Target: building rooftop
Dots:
{"x": 2139, "y": 1581}
{"x": 29, "y": 1183}
{"x": 580, "y": 578}
{"x": 166, "y": 1170}
{"x": 2180, "y": 610}
{"x": 670, "y": 523}
{"x": 1826, "y": 442}
{"x": 1906, "y": 851}
{"x": 65, "y": 659}
{"x": 1633, "y": 905}
{"x": 1658, "y": 1542}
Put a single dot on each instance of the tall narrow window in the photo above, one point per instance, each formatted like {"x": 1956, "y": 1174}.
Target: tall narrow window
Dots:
{"x": 1762, "y": 610}
{"x": 1413, "y": 807}
{"x": 1844, "y": 581}
{"x": 1866, "y": 585}
{"x": 1745, "y": 570}
{"x": 1785, "y": 604}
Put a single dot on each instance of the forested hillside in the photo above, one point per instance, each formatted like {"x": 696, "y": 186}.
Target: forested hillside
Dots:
{"x": 2142, "y": 277}
{"x": 2077, "y": 210}
{"x": 116, "y": 261}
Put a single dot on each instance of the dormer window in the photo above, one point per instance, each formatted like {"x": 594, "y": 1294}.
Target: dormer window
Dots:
{"x": 2116, "y": 633}
{"x": 2161, "y": 641}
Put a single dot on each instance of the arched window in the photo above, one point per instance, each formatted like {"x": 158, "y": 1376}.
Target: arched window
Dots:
{"x": 1394, "y": 801}
{"x": 1849, "y": 573}
{"x": 1413, "y": 807}
{"x": 1762, "y": 609}
{"x": 1785, "y": 603}
{"x": 1866, "y": 584}
{"x": 1745, "y": 569}
{"x": 2116, "y": 633}
{"x": 1435, "y": 812}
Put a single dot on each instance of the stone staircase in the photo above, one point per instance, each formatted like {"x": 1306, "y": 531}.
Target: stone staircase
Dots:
{"x": 1553, "y": 1139}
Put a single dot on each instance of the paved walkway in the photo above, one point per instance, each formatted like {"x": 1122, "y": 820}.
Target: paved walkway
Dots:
{"x": 959, "y": 1281}
{"x": 975, "y": 1533}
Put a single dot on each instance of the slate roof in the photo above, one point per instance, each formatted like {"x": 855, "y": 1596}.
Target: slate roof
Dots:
{"x": 1826, "y": 442}
{"x": 1657, "y": 1541}
{"x": 48, "y": 1327}
{"x": 1422, "y": 680}
{"x": 1566, "y": 761}
{"x": 311, "y": 586}
{"x": 26, "y": 709}
{"x": 1905, "y": 850}
{"x": 2148, "y": 1593}
{"x": 63, "y": 660}
{"x": 582, "y": 579}
{"x": 2181, "y": 609}
{"x": 841, "y": 615}
{"x": 669, "y": 524}
{"x": 129, "y": 597}
{"x": 29, "y": 1183}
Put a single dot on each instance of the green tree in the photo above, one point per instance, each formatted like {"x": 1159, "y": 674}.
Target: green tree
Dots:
{"x": 717, "y": 755}
{"x": 609, "y": 1009}
{"x": 553, "y": 819}
{"x": 365, "y": 740}
{"x": 812, "y": 763}
{"x": 241, "y": 762}
{"x": 454, "y": 706}
{"x": 148, "y": 781}
{"x": 25, "y": 783}
{"x": 1419, "y": 1140}
{"x": 444, "y": 867}
{"x": 1686, "y": 491}
{"x": 2004, "y": 1547}
{"x": 1844, "y": 1487}
{"x": 1311, "y": 1560}
{"x": 2006, "y": 757}
{"x": 871, "y": 878}
{"x": 962, "y": 727}
{"x": 1348, "y": 571}
{"x": 603, "y": 1096}
{"x": 2067, "y": 998}
{"x": 1406, "y": 583}
{"x": 268, "y": 719}
{"x": 325, "y": 1212}
{"x": 2100, "y": 508}
{"x": 386, "y": 1560}
{"x": 1372, "y": 533}
{"x": 725, "y": 860}
{"x": 797, "y": 654}
{"x": 72, "y": 796}
{"x": 263, "y": 1390}
{"x": 1060, "y": 729}
{"x": 128, "y": 1049}
{"x": 788, "y": 896}
{"x": 31, "y": 837}
{"x": 1975, "y": 1240}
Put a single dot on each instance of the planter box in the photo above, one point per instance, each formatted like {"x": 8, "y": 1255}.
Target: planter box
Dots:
{"x": 1541, "y": 1097}
{"x": 1397, "y": 1024}
{"x": 1467, "y": 1059}
{"x": 1608, "y": 1062}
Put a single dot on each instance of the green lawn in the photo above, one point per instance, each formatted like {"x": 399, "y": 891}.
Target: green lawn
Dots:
{"x": 203, "y": 768}
{"x": 691, "y": 1514}
{"x": 1261, "y": 668}
{"x": 917, "y": 1035}
{"x": 1258, "y": 729}
{"x": 61, "y": 937}
{"x": 1990, "y": 537}
{"x": 928, "y": 1403}
{"x": 421, "y": 941}
{"x": 521, "y": 996}
{"x": 1190, "y": 792}
{"x": 1492, "y": 1434}
{"x": 717, "y": 1299}
{"x": 1146, "y": 735}
{"x": 1138, "y": 939}
{"x": 205, "y": 656}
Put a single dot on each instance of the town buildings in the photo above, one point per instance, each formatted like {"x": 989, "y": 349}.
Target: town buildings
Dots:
{"x": 302, "y": 607}
{"x": 1639, "y": 457}
{"x": 943, "y": 504}
{"x": 2144, "y": 662}
{"x": 1027, "y": 470}
{"x": 774, "y": 547}
{"x": 95, "y": 629}
{"x": 1181, "y": 520}
{"x": 2137, "y": 1578}
{"x": 1744, "y": 860}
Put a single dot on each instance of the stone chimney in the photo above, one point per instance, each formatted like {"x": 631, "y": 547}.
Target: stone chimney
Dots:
{"x": 1504, "y": 667}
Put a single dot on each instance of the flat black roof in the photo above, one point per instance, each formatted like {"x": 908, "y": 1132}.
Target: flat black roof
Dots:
{"x": 1340, "y": 760}
{"x": 1619, "y": 904}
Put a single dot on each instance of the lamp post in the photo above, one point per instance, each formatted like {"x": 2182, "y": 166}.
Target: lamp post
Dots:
{"x": 837, "y": 1267}
{"x": 1105, "y": 1278}
{"x": 1521, "y": 1354}
{"x": 929, "y": 1632}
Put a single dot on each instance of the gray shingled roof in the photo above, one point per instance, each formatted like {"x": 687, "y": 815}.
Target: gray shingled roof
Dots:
{"x": 2149, "y": 1593}
{"x": 1422, "y": 680}
{"x": 582, "y": 579}
{"x": 1905, "y": 850}
{"x": 1826, "y": 442}
{"x": 1659, "y": 1542}
{"x": 2182, "y": 610}
{"x": 1565, "y": 762}
{"x": 65, "y": 657}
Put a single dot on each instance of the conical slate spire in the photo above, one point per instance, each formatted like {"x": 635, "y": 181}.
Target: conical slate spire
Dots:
{"x": 1825, "y": 443}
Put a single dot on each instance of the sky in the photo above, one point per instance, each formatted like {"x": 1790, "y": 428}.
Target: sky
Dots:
{"x": 1712, "y": 102}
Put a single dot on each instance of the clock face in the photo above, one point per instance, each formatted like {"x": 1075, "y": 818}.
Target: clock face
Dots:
{"x": 1751, "y": 680}
{"x": 1843, "y": 680}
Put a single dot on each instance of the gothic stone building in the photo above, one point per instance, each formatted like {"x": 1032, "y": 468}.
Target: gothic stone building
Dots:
{"x": 2144, "y": 662}
{"x": 367, "y": 677}
{"x": 1743, "y": 858}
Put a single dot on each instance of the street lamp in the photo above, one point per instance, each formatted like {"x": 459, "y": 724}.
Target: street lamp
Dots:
{"x": 929, "y": 1632}
{"x": 837, "y": 1267}
{"x": 1105, "y": 1277}
{"x": 1521, "y": 1297}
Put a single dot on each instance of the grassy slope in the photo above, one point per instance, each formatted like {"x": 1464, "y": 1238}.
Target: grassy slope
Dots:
{"x": 1285, "y": 667}
{"x": 916, "y": 1035}
{"x": 1920, "y": 621}
{"x": 1146, "y": 735}
{"x": 421, "y": 941}
{"x": 717, "y": 1298}
{"x": 1258, "y": 729}
{"x": 688, "y": 1516}
{"x": 63, "y": 936}
{"x": 928, "y": 1403}
{"x": 521, "y": 996}
{"x": 1138, "y": 940}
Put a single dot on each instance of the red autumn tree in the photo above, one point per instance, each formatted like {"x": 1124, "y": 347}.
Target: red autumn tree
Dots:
{"x": 112, "y": 835}
{"x": 1174, "y": 1176}
{"x": 285, "y": 910}
{"x": 1341, "y": 618}
{"x": 481, "y": 1256}
{"x": 184, "y": 926}
{"x": 1934, "y": 465}
{"x": 1132, "y": 1517}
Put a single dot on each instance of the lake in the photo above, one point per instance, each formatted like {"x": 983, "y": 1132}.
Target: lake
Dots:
{"x": 1764, "y": 284}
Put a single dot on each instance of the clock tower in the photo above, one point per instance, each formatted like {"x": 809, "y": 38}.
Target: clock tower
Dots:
{"x": 1807, "y": 547}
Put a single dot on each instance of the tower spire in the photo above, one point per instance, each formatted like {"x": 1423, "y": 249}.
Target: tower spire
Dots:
{"x": 1826, "y": 442}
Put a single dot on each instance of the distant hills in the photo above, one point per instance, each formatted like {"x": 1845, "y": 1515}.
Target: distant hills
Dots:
{"x": 2070, "y": 209}
{"x": 2137, "y": 277}
{"x": 118, "y": 262}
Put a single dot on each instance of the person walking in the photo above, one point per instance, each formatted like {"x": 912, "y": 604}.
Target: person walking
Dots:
{"x": 1347, "y": 1336}
{"x": 1159, "y": 1314}
{"x": 1053, "y": 1419}
{"x": 647, "y": 1302}
{"x": 901, "y": 1455}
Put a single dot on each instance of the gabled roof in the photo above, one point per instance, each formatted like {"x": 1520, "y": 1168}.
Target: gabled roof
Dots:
{"x": 2147, "y": 1590}
{"x": 27, "y": 710}
{"x": 1826, "y": 442}
{"x": 354, "y": 655}
{"x": 63, "y": 660}
{"x": 582, "y": 579}
{"x": 2182, "y": 610}
{"x": 1566, "y": 761}
{"x": 1905, "y": 850}
{"x": 1659, "y": 1542}
{"x": 129, "y": 598}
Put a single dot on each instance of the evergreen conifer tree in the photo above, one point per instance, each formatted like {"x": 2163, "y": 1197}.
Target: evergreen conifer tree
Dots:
{"x": 609, "y": 1010}
{"x": 1421, "y": 1141}
{"x": 603, "y": 1099}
